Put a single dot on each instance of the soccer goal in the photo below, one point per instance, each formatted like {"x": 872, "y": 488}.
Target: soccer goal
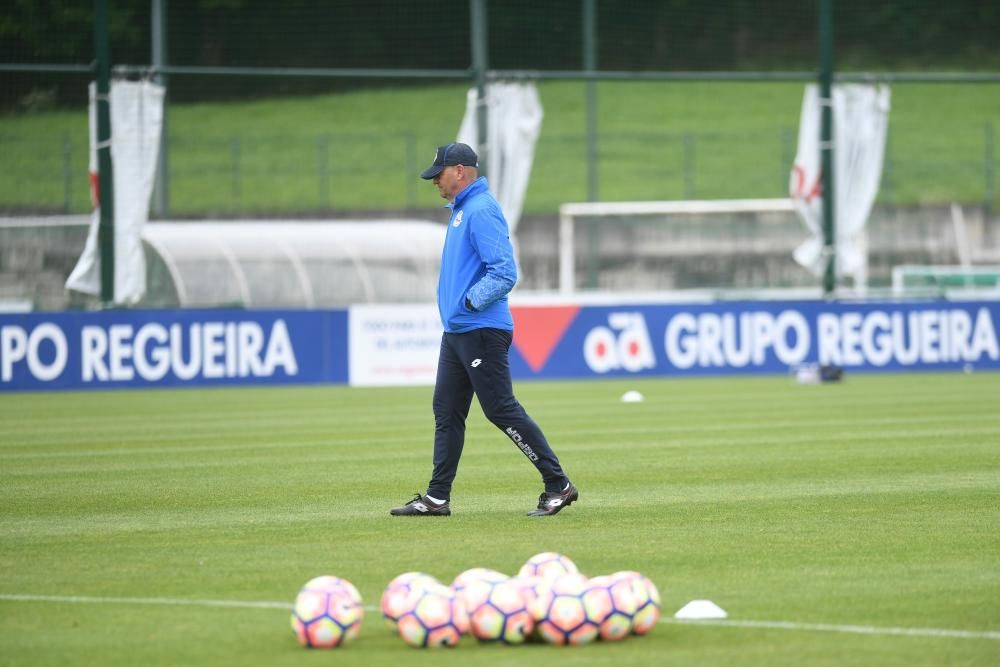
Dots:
{"x": 937, "y": 280}
{"x": 720, "y": 243}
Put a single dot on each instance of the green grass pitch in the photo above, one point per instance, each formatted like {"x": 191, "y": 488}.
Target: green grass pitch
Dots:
{"x": 869, "y": 508}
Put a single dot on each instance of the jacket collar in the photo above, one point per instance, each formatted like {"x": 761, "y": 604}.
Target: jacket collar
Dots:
{"x": 474, "y": 188}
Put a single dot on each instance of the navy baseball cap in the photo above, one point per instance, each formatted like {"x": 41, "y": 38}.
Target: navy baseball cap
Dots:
{"x": 448, "y": 155}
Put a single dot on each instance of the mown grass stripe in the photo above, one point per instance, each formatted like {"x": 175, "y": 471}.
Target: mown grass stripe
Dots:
{"x": 852, "y": 629}
{"x": 731, "y": 623}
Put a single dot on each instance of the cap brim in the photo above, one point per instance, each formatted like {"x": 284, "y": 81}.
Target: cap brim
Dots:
{"x": 431, "y": 171}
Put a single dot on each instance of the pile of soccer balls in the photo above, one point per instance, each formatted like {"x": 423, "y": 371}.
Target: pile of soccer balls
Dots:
{"x": 549, "y": 600}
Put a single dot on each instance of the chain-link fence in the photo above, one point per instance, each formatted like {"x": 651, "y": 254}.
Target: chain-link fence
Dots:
{"x": 245, "y": 142}
{"x": 316, "y": 109}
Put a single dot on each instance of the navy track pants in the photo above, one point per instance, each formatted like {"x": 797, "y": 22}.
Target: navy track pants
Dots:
{"x": 477, "y": 362}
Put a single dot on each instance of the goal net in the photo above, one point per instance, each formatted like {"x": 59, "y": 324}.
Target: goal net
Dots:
{"x": 661, "y": 245}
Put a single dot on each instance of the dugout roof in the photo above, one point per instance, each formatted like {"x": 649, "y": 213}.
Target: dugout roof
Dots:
{"x": 291, "y": 264}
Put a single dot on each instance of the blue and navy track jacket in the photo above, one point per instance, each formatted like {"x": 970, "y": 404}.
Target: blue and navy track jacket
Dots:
{"x": 477, "y": 263}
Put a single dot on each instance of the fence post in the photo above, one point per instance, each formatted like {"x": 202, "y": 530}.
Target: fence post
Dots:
{"x": 590, "y": 64}
{"x": 161, "y": 184}
{"x": 480, "y": 63}
{"x": 826, "y": 144}
{"x": 105, "y": 166}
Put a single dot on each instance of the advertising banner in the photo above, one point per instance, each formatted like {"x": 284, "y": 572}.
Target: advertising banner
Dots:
{"x": 374, "y": 345}
{"x": 170, "y": 348}
{"x": 394, "y": 345}
{"x": 569, "y": 341}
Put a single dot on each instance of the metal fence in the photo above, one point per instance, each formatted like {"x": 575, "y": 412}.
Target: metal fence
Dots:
{"x": 597, "y": 143}
{"x": 267, "y": 173}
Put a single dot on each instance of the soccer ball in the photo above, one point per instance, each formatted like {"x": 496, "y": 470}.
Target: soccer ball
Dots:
{"x": 531, "y": 588}
{"x": 611, "y": 604}
{"x": 330, "y": 582}
{"x": 327, "y": 613}
{"x": 536, "y": 592}
{"x": 477, "y": 574}
{"x": 327, "y": 582}
{"x": 547, "y": 565}
{"x": 647, "y": 601}
{"x": 561, "y": 614}
{"x": 497, "y": 612}
{"x": 395, "y": 598}
{"x": 434, "y": 617}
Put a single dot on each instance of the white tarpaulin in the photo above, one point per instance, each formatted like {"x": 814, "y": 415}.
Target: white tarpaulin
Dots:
{"x": 513, "y": 121}
{"x": 860, "y": 122}
{"x": 136, "y": 121}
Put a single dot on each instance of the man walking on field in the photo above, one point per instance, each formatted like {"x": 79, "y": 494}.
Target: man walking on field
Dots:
{"x": 477, "y": 273}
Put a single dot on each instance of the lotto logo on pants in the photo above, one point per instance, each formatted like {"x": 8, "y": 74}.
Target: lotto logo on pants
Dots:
{"x": 521, "y": 444}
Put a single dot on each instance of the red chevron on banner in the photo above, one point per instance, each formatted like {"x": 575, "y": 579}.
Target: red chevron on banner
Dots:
{"x": 538, "y": 329}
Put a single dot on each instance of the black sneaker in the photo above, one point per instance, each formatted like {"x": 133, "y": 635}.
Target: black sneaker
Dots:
{"x": 550, "y": 503}
{"x": 422, "y": 506}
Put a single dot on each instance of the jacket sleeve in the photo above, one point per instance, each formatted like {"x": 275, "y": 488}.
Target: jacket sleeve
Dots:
{"x": 491, "y": 239}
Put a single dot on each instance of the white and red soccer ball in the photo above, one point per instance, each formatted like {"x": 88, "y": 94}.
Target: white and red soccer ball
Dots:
{"x": 327, "y": 613}
{"x": 395, "y": 599}
{"x": 531, "y": 588}
{"x": 548, "y": 565}
{"x": 432, "y": 616}
{"x": 611, "y": 603}
{"x": 647, "y": 600}
{"x": 498, "y": 611}
{"x": 477, "y": 574}
{"x": 561, "y": 615}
